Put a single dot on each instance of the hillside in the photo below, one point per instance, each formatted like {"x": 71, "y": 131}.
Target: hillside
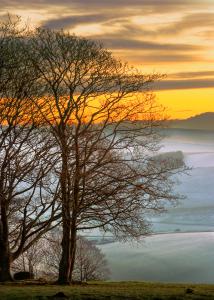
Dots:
{"x": 203, "y": 121}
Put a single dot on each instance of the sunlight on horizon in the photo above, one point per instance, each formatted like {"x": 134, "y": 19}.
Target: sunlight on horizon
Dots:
{"x": 183, "y": 104}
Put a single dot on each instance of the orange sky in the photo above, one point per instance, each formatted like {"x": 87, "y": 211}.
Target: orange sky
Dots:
{"x": 172, "y": 37}
{"x": 185, "y": 103}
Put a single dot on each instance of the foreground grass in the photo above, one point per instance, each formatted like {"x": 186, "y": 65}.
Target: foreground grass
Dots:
{"x": 108, "y": 290}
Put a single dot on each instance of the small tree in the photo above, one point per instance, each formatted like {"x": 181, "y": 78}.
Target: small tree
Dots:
{"x": 32, "y": 260}
{"x": 90, "y": 262}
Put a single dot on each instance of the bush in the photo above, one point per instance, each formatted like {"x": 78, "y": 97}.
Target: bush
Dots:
{"x": 23, "y": 275}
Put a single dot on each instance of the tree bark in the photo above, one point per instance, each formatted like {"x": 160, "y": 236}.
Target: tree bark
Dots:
{"x": 4, "y": 264}
{"x": 65, "y": 262}
{"x": 4, "y": 248}
{"x": 4, "y": 237}
{"x": 73, "y": 248}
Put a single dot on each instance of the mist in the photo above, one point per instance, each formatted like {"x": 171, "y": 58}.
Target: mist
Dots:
{"x": 181, "y": 249}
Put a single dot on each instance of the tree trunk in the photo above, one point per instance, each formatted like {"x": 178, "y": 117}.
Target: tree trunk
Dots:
{"x": 65, "y": 262}
{"x": 4, "y": 250}
{"x": 73, "y": 249}
{"x": 66, "y": 265}
{"x": 74, "y": 207}
{"x": 4, "y": 265}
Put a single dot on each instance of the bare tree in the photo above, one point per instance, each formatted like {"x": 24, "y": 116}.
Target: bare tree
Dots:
{"x": 104, "y": 120}
{"x": 28, "y": 192}
{"x": 52, "y": 254}
{"x": 32, "y": 260}
{"x": 90, "y": 262}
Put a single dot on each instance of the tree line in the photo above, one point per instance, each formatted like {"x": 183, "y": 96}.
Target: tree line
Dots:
{"x": 79, "y": 135}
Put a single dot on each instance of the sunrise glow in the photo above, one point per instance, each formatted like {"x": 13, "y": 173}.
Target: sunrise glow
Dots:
{"x": 167, "y": 37}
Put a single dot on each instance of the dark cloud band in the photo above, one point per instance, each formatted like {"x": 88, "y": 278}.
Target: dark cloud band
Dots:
{"x": 72, "y": 21}
{"x": 120, "y": 43}
{"x": 184, "y": 84}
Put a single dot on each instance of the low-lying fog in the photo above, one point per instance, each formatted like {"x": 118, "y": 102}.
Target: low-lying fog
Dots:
{"x": 196, "y": 212}
{"x": 184, "y": 253}
{"x": 183, "y": 257}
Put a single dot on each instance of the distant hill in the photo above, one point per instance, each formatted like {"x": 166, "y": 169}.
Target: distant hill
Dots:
{"x": 203, "y": 121}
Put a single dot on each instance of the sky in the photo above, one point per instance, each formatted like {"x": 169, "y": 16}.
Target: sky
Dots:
{"x": 171, "y": 37}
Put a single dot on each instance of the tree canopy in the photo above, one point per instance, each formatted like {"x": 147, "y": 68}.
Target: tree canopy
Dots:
{"x": 100, "y": 121}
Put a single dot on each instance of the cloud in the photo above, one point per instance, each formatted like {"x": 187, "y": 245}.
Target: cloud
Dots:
{"x": 68, "y": 14}
{"x": 116, "y": 42}
{"x": 187, "y": 75}
{"x": 171, "y": 58}
{"x": 184, "y": 84}
{"x": 147, "y": 6}
{"x": 207, "y": 35}
{"x": 189, "y": 22}
{"x": 173, "y": 35}
{"x": 162, "y": 58}
{"x": 73, "y": 20}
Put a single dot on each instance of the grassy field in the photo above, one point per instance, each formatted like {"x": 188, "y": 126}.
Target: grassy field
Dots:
{"x": 108, "y": 290}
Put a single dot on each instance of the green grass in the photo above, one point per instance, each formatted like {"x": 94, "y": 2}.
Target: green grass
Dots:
{"x": 108, "y": 290}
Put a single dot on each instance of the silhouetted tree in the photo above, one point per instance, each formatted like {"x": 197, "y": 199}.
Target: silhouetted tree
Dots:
{"x": 27, "y": 205}
{"x": 103, "y": 119}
